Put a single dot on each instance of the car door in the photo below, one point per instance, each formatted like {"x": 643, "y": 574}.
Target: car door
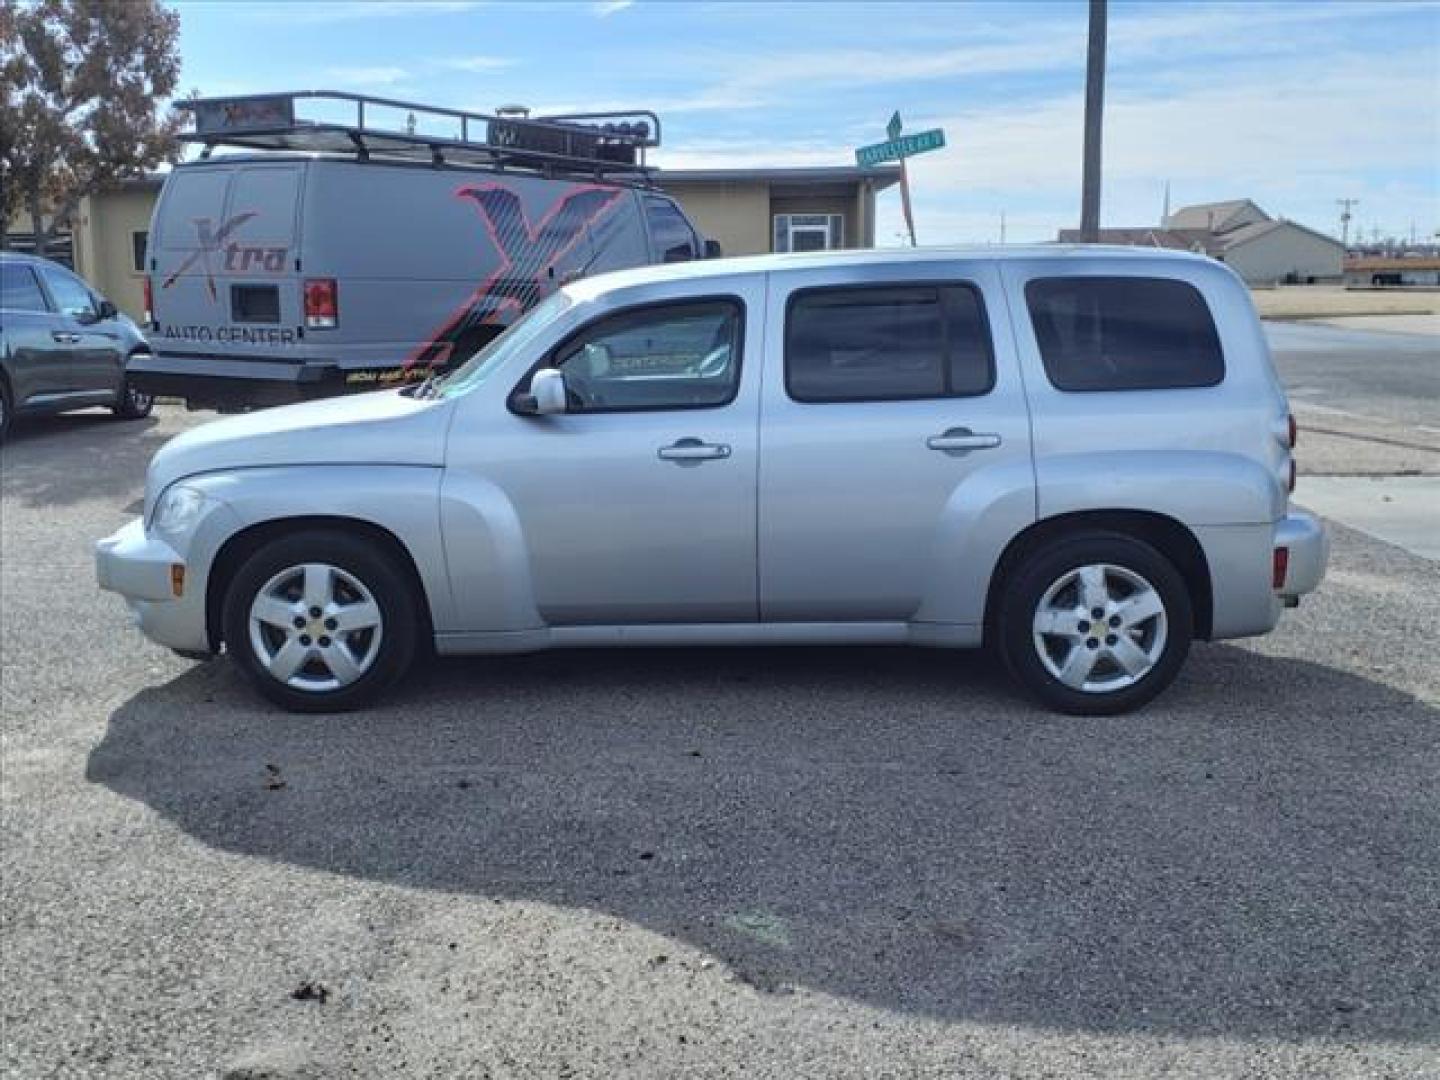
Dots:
{"x": 887, "y": 408}
{"x": 638, "y": 504}
{"x": 36, "y": 338}
{"x": 94, "y": 349}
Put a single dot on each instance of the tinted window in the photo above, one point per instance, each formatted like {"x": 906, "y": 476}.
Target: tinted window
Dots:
{"x": 1124, "y": 333}
{"x": 19, "y": 290}
{"x": 676, "y": 356}
{"x": 886, "y": 343}
{"x": 69, "y": 293}
{"x": 669, "y": 231}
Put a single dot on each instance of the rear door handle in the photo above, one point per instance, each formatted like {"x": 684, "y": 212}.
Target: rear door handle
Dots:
{"x": 961, "y": 440}
{"x": 693, "y": 451}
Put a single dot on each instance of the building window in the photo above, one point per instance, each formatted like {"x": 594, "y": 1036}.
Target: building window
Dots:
{"x": 809, "y": 232}
{"x": 139, "y": 242}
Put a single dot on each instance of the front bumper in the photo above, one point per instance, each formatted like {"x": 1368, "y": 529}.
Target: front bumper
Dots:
{"x": 1302, "y": 535}
{"x": 139, "y": 567}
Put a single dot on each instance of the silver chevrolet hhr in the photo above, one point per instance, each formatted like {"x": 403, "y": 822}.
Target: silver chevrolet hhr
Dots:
{"x": 1079, "y": 456}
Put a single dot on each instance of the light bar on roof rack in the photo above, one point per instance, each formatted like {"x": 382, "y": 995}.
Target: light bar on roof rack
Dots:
{"x": 593, "y": 143}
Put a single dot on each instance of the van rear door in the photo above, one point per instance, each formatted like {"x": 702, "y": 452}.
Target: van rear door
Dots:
{"x": 224, "y": 278}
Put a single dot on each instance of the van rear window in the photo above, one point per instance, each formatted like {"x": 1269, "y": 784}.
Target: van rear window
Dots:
{"x": 1124, "y": 333}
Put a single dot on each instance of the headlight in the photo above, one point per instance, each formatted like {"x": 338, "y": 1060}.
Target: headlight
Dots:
{"x": 180, "y": 509}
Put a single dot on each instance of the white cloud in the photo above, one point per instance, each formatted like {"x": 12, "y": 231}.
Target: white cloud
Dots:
{"x": 605, "y": 8}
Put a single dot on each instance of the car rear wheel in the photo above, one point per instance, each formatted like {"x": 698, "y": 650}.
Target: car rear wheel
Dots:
{"x": 1095, "y": 624}
{"x": 321, "y": 621}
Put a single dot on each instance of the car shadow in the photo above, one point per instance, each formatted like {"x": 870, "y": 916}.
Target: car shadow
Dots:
{"x": 1244, "y": 858}
{"x": 62, "y": 460}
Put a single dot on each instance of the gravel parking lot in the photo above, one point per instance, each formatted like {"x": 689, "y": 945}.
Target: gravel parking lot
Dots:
{"x": 758, "y": 863}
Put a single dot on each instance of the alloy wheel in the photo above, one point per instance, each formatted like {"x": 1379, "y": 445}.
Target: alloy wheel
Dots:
{"x": 1100, "y": 628}
{"x": 315, "y": 627}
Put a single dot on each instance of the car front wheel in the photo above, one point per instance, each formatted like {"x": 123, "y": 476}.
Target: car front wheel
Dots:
{"x": 1095, "y": 624}
{"x": 321, "y": 621}
{"x": 132, "y": 404}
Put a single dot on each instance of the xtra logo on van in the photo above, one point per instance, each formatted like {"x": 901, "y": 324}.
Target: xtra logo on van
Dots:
{"x": 526, "y": 256}
{"x": 239, "y": 258}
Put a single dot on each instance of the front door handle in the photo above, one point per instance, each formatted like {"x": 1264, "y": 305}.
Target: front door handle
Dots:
{"x": 961, "y": 440}
{"x": 692, "y": 451}
{"x": 65, "y": 338}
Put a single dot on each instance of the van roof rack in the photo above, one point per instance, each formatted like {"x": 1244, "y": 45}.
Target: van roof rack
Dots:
{"x": 591, "y": 144}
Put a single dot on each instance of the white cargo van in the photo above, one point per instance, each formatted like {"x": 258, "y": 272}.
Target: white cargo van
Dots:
{"x": 329, "y": 255}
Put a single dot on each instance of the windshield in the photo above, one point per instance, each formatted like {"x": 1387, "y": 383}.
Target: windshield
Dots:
{"x": 494, "y": 356}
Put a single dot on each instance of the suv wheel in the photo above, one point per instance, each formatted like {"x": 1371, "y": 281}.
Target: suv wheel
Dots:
{"x": 133, "y": 405}
{"x": 321, "y": 621}
{"x": 1095, "y": 624}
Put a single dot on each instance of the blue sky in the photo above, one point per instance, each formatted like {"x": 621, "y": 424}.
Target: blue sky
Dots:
{"x": 1294, "y": 104}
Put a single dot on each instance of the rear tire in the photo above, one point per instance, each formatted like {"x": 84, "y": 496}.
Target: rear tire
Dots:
{"x": 321, "y": 621}
{"x": 1095, "y": 624}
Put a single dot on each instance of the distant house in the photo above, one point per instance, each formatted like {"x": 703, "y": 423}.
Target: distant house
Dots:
{"x": 1261, "y": 249}
{"x": 1382, "y": 271}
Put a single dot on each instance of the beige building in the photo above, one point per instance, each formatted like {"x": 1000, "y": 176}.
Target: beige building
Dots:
{"x": 1261, "y": 249}
{"x": 749, "y": 211}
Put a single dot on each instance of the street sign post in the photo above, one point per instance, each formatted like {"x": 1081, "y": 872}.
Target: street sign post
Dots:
{"x": 898, "y": 147}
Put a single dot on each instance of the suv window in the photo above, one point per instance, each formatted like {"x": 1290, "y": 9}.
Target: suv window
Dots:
{"x": 886, "y": 343}
{"x": 69, "y": 293}
{"x": 19, "y": 290}
{"x": 673, "y": 356}
{"x": 669, "y": 231}
{"x": 1124, "y": 333}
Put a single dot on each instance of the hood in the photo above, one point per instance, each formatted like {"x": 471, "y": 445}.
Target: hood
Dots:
{"x": 380, "y": 428}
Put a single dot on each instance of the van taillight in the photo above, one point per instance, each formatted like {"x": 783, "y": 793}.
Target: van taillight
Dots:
{"x": 322, "y": 304}
{"x": 149, "y": 305}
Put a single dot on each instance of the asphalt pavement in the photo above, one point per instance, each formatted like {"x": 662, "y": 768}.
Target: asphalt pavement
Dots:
{"x": 740, "y": 863}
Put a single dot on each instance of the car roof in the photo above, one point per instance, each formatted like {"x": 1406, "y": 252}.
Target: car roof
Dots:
{"x": 589, "y": 287}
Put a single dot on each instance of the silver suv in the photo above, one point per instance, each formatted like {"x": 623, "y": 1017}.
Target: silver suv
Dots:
{"x": 1080, "y": 456}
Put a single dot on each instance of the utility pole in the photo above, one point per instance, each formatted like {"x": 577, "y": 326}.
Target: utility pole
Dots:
{"x": 1345, "y": 207}
{"x": 1094, "y": 112}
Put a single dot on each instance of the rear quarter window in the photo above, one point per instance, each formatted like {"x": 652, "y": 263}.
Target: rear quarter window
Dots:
{"x": 1124, "y": 333}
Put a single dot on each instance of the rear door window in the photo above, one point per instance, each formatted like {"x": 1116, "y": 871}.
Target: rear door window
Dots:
{"x": 1124, "y": 333}
{"x": 887, "y": 343}
{"x": 670, "y": 233}
{"x": 19, "y": 289}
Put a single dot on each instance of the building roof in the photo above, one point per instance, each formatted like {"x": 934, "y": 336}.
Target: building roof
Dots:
{"x": 1245, "y": 233}
{"x": 1393, "y": 262}
{"x": 883, "y": 176}
{"x": 1200, "y": 240}
{"x": 1210, "y": 216}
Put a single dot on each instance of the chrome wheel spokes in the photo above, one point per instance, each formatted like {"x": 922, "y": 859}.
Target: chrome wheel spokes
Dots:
{"x": 315, "y": 627}
{"x": 1100, "y": 628}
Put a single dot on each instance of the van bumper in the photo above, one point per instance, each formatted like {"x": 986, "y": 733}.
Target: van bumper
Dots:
{"x": 226, "y": 383}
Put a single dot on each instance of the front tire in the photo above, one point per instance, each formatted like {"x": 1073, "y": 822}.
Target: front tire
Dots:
{"x": 132, "y": 404}
{"x": 1095, "y": 624}
{"x": 321, "y": 621}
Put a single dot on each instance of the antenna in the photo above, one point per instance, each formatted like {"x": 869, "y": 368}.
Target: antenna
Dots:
{"x": 1165, "y": 213}
{"x": 1345, "y": 206}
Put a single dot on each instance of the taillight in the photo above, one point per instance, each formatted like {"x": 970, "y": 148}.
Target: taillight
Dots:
{"x": 322, "y": 304}
{"x": 1279, "y": 568}
{"x": 149, "y": 305}
{"x": 1294, "y": 431}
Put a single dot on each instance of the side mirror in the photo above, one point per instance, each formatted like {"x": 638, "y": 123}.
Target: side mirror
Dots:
{"x": 108, "y": 310}
{"x": 547, "y": 394}
{"x": 712, "y": 249}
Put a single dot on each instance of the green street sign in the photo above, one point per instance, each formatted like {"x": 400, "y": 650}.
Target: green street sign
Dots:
{"x": 894, "y": 127}
{"x": 903, "y": 147}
